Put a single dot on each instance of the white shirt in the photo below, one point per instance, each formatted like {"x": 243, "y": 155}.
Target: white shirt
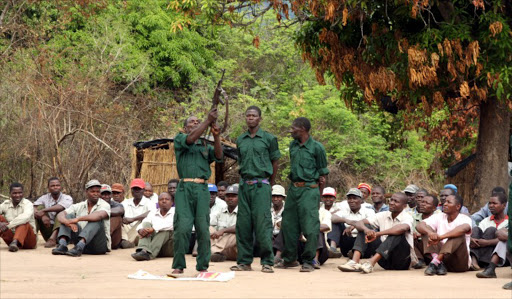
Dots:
{"x": 345, "y": 208}
{"x": 488, "y": 222}
{"x": 159, "y": 222}
{"x": 131, "y": 210}
{"x": 383, "y": 221}
{"x": 325, "y": 218}
{"x": 21, "y": 214}
{"x": 154, "y": 199}
{"x": 217, "y": 208}
{"x": 48, "y": 201}
{"x": 224, "y": 219}
{"x": 439, "y": 223}
{"x": 363, "y": 213}
{"x": 276, "y": 218}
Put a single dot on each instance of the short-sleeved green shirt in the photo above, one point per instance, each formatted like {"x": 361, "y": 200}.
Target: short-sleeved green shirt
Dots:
{"x": 308, "y": 161}
{"x": 255, "y": 154}
{"x": 193, "y": 160}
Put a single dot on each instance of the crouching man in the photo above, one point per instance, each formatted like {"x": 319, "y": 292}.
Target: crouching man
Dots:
{"x": 156, "y": 232}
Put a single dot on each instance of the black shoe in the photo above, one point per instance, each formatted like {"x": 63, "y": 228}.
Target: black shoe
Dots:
{"x": 307, "y": 268}
{"x": 487, "y": 273}
{"x": 60, "y": 250}
{"x": 419, "y": 265}
{"x": 334, "y": 252}
{"x": 441, "y": 269}
{"x": 431, "y": 269}
{"x": 13, "y": 247}
{"x": 141, "y": 256}
{"x": 75, "y": 252}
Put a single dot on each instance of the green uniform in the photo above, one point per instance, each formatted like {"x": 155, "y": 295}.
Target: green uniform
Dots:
{"x": 192, "y": 201}
{"x": 255, "y": 156}
{"x": 300, "y": 215}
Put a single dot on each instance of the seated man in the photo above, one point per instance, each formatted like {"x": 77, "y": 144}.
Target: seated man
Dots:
{"x": 135, "y": 210}
{"x": 484, "y": 211}
{"x": 378, "y": 199}
{"x": 484, "y": 247}
{"x": 426, "y": 208}
{"x": 343, "y": 232}
{"x": 156, "y": 231}
{"x": 216, "y": 204}
{"x": 47, "y": 207}
{"x": 448, "y": 190}
{"x": 410, "y": 192}
{"x": 395, "y": 245}
{"x": 118, "y": 192}
{"x": 222, "y": 229}
{"x": 17, "y": 224}
{"x": 116, "y": 215}
{"x": 321, "y": 254}
{"x": 85, "y": 224}
{"x": 222, "y": 186}
{"x": 149, "y": 194}
{"x": 172, "y": 185}
{"x": 278, "y": 197}
{"x": 446, "y": 237}
{"x": 366, "y": 191}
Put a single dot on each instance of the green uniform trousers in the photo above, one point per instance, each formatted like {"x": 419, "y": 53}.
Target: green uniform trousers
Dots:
{"x": 192, "y": 203}
{"x": 160, "y": 244}
{"x": 254, "y": 220}
{"x": 301, "y": 215}
{"x": 46, "y": 232}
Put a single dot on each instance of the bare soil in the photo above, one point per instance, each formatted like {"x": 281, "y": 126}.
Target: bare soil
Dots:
{"x": 38, "y": 274}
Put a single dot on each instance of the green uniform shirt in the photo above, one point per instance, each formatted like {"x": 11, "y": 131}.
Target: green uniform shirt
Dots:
{"x": 193, "y": 160}
{"x": 308, "y": 161}
{"x": 255, "y": 154}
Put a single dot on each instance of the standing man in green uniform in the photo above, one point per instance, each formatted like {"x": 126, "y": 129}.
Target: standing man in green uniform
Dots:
{"x": 258, "y": 154}
{"x": 192, "y": 199}
{"x": 308, "y": 170}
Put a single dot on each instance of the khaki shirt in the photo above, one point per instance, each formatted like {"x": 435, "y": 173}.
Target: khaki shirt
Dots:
{"x": 18, "y": 215}
{"x": 80, "y": 209}
{"x": 224, "y": 219}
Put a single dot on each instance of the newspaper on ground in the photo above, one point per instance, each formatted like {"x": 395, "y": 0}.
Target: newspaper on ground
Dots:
{"x": 202, "y": 276}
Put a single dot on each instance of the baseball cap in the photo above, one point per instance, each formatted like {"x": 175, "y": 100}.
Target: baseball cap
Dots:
{"x": 411, "y": 189}
{"x": 329, "y": 191}
{"x": 450, "y": 186}
{"x": 212, "y": 188}
{"x": 354, "y": 191}
{"x": 105, "y": 188}
{"x": 233, "y": 189}
{"x": 278, "y": 190}
{"x": 139, "y": 183}
{"x": 92, "y": 183}
{"x": 117, "y": 187}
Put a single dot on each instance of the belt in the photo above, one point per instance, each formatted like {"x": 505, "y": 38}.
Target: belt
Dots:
{"x": 195, "y": 180}
{"x": 252, "y": 182}
{"x": 305, "y": 184}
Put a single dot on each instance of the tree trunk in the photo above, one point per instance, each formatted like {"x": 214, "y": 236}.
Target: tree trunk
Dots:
{"x": 491, "y": 168}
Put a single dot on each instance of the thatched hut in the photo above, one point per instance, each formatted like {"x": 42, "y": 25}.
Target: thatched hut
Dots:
{"x": 154, "y": 161}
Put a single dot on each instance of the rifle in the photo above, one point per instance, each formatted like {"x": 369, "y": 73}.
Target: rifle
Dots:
{"x": 217, "y": 99}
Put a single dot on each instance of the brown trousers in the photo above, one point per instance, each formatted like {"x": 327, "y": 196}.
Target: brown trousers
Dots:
{"x": 23, "y": 233}
{"x": 455, "y": 251}
{"x": 116, "y": 231}
{"x": 225, "y": 245}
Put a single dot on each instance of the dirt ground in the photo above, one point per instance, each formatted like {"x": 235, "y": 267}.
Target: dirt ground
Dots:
{"x": 38, "y": 274}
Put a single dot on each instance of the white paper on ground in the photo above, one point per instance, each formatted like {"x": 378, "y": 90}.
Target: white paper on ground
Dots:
{"x": 203, "y": 276}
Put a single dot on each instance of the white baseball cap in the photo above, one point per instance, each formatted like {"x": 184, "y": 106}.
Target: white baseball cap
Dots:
{"x": 278, "y": 190}
{"x": 329, "y": 191}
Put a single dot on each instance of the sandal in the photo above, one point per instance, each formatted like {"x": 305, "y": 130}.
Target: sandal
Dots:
{"x": 177, "y": 273}
{"x": 241, "y": 267}
{"x": 267, "y": 269}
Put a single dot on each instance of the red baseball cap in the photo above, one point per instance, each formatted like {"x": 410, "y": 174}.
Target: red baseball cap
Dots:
{"x": 138, "y": 183}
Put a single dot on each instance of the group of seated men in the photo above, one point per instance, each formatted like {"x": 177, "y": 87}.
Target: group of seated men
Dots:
{"x": 414, "y": 229}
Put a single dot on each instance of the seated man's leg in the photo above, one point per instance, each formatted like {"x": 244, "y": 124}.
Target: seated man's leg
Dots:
{"x": 322, "y": 253}
{"x": 46, "y": 232}
{"x": 116, "y": 231}
{"x": 498, "y": 259}
{"x": 395, "y": 253}
{"x": 454, "y": 254}
{"x": 224, "y": 248}
{"x": 25, "y": 236}
{"x": 360, "y": 249}
{"x": 483, "y": 254}
{"x": 66, "y": 236}
{"x": 153, "y": 244}
{"x": 167, "y": 249}
{"x": 347, "y": 244}
{"x": 129, "y": 234}
{"x": 334, "y": 237}
{"x": 95, "y": 239}
{"x": 278, "y": 245}
{"x": 8, "y": 235}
